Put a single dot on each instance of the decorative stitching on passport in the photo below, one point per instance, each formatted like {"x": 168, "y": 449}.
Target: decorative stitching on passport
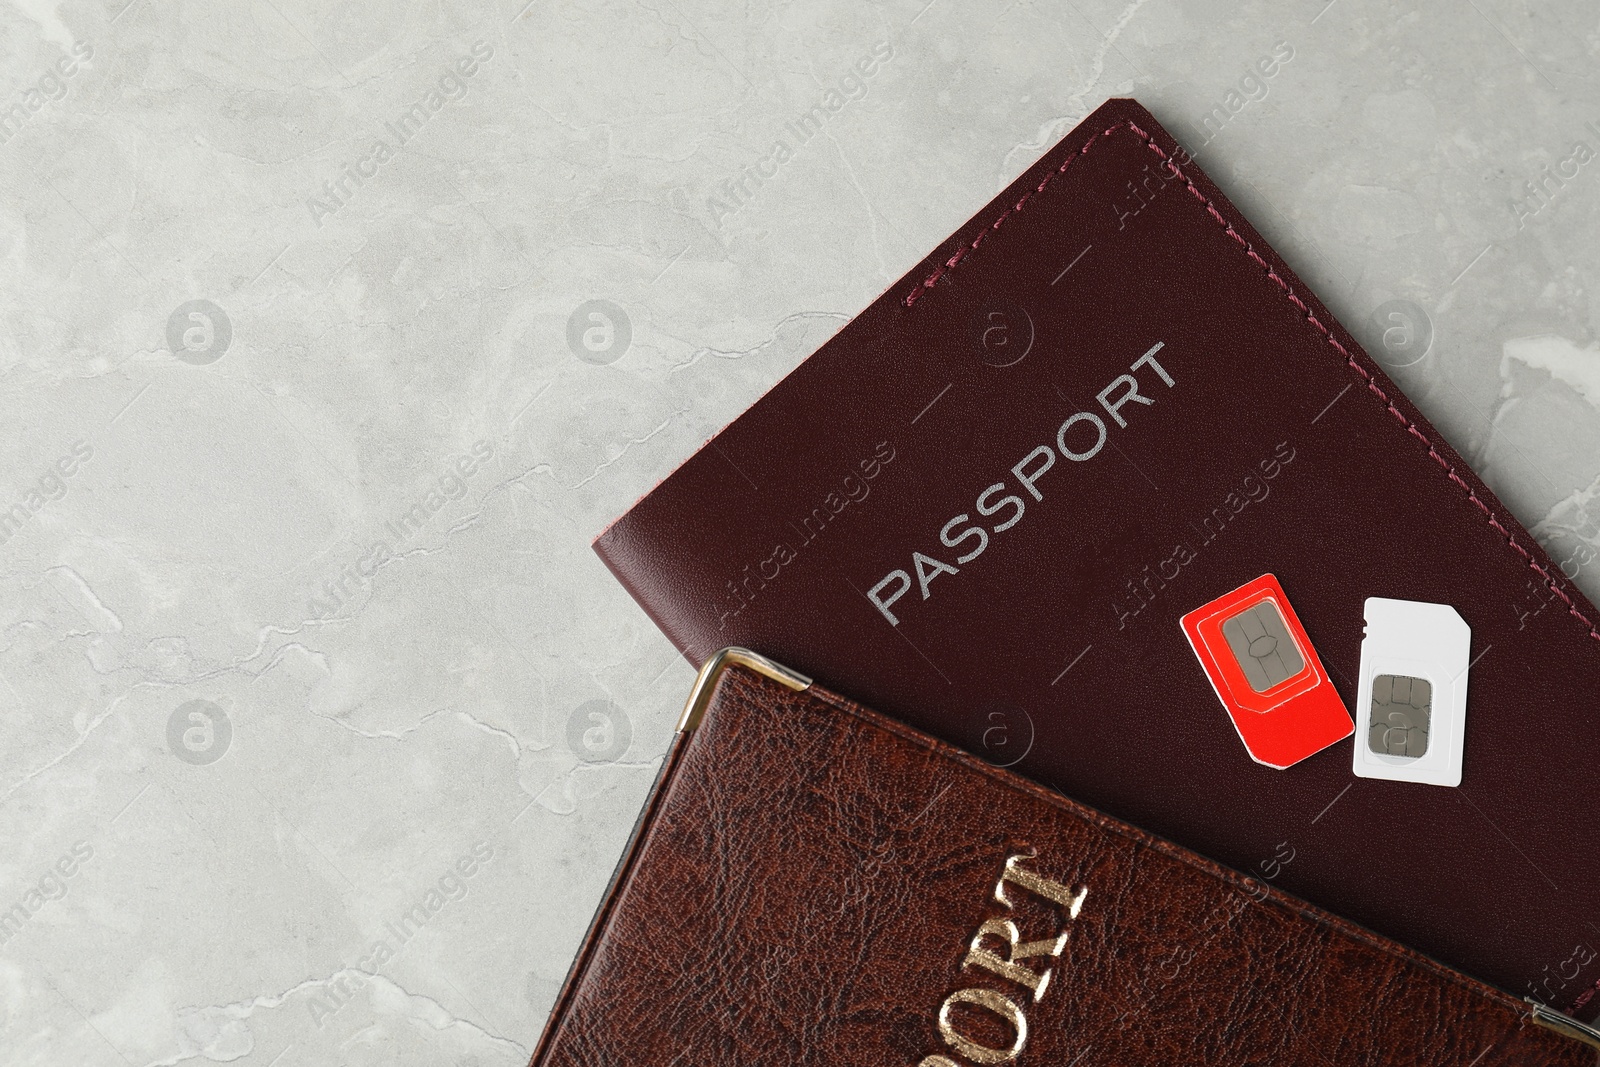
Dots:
{"x": 961, "y": 254}
{"x": 1289, "y": 294}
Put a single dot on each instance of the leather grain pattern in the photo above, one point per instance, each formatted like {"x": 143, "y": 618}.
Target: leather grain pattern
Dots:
{"x": 1278, "y": 447}
{"x": 809, "y": 874}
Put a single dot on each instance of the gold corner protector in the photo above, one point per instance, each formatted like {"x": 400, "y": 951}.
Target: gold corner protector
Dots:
{"x": 1563, "y": 1024}
{"x": 706, "y": 680}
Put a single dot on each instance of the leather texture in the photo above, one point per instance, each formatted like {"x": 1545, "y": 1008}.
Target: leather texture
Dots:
{"x": 1279, "y": 447}
{"x": 808, "y": 877}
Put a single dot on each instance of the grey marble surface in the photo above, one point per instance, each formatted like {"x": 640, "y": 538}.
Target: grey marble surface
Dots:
{"x": 332, "y": 334}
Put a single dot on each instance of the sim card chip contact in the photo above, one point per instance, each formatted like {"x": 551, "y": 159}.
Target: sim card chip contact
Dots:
{"x": 1401, "y": 709}
{"x": 1261, "y": 644}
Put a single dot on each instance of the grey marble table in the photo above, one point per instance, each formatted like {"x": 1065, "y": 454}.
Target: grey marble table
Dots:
{"x": 333, "y": 333}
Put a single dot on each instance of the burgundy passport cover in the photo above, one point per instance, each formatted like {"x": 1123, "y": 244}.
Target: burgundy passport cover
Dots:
{"x": 813, "y": 883}
{"x": 1262, "y": 439}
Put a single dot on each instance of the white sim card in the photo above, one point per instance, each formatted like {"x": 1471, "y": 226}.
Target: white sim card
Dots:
{"x": 1411, "y": 701}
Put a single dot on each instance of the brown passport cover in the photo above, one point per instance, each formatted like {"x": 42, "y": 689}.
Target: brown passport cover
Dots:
{"x": 1280, "y": 447}
{"x": 809, "y": 879}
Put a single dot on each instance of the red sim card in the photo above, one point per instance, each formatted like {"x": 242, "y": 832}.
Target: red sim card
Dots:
{"x": 1266, "y": 674}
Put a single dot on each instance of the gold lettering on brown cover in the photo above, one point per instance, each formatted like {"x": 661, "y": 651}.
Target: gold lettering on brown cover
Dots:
{"x": 1001, "y": 1006}
{"x": 1039, "y": 886}
{"x": 1007, "y": 967}
{"x": 1037, "y": 981}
